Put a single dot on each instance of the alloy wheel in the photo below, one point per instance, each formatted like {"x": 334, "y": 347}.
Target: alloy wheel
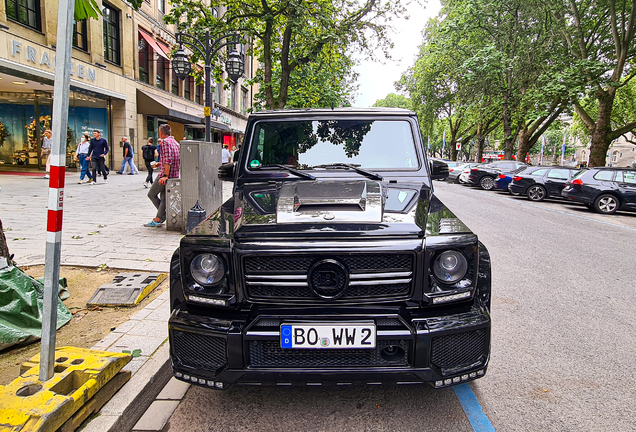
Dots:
{"x": 536, "y": 193}
{"x": 487, "y": 183}
{"x": 607, "y": 204}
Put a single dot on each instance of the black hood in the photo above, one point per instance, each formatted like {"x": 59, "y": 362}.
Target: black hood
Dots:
{"x": 352, "y": 208}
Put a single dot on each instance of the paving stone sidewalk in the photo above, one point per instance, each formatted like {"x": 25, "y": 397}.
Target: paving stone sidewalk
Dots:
{"x": 103, "y": 223}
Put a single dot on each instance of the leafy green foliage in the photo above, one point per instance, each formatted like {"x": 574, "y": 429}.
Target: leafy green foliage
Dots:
{"x": 300, "y": 45}
{"x": 394, "y": 100}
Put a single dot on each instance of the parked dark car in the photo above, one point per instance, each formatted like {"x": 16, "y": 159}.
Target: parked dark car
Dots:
{"x": 332, "y": 263}
{"x": 441, "y": 166}
{"x": 485, "y": 175}
{"x": 539, "y": 183}
{"x": 605, "y": 190}
{"x": 503, "y": 180}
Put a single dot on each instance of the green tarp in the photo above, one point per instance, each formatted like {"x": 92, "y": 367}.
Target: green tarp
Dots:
{"x": 21, "y": 300}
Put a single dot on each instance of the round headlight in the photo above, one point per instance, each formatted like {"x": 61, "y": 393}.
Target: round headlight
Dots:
{"x": 450, "y": 266}
{"x": 207, "y": 269}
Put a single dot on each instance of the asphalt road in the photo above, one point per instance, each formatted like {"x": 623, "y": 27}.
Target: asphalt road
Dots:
{"x": 562, "y": 340}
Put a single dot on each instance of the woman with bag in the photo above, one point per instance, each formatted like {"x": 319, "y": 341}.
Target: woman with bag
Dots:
{"x": 81, "y": 154}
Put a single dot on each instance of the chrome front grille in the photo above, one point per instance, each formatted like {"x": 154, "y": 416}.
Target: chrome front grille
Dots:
{"x": 369, "y": 276}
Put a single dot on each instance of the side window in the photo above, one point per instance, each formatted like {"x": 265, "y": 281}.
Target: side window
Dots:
{"x": 629, "y": 177}
{"x": 605, "y": 175}
{"x": 539, "y": 172}
{"x": 559, "y": 174}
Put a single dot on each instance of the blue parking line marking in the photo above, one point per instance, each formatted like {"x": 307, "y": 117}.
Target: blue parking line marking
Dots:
{"x": 478, "y": 420}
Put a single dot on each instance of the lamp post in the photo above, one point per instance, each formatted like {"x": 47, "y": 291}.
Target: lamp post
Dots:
{"x": 181, "y": 65}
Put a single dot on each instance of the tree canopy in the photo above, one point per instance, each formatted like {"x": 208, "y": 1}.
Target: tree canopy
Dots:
{"x": 295, "y": 40}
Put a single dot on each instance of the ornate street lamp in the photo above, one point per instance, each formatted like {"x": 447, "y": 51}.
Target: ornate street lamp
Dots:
{"x": 207, "y": 50}
{"x": 181, "y": 64}
{"x": 234, "y": 65}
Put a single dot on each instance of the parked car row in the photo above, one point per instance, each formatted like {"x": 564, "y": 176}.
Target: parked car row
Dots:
{"x": 604, "y": 189}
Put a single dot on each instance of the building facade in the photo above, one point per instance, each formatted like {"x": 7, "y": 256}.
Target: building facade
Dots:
{"x": 122, "y": 82}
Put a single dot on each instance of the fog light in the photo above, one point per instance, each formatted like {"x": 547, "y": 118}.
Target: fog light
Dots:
{"x": 186, "y": 377}
{"x": 210, "y": 301}
{"x": 201, "y": 381}
{"x": 481, "y": 372}
{"x": 473, "y": 374}
{"x": 452, "y": 297}
{"x": 194, "y": 379}
{"x": 178, "y": 374}
{"x": 464, "y": 377}
{"x": 210, "y": 383}
{"x": 439, "y": 383}
{"x": 456, "y": 380}
{"x": 448, "y": 381}
{"x": 219, "y": 385}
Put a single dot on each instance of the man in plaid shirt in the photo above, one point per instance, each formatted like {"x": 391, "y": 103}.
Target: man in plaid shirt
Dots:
{"x": 169, "y": 164}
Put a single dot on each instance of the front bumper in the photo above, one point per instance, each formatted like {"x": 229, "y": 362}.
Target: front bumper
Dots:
{"x": 242, "y": 350}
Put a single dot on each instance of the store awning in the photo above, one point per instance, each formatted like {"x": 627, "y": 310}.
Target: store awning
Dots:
{"x": 154, "y": 44}
{"x": 165, "y": 49}
{"x": 154, "y": 105}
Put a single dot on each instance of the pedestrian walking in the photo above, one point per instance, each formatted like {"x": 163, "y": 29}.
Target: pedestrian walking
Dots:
{"x": 128, "y": 158}
{"x": 81, "y": 154}
{"x": 149, "y": 153}
{"x": 97, "y": 151}
{"x": 46, "y": 150}
{"x": 169, "y": 165}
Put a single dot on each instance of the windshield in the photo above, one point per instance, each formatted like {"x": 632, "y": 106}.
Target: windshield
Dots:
{"x": 373, "y": 144}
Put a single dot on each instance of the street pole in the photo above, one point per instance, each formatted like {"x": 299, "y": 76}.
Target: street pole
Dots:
{"x": 61, "y": 92}
{"x": 207, "y": 110}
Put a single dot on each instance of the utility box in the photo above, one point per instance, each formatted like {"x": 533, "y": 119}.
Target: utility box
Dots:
{"x": 200, "y": 162}
{"x": 174, "y": 207}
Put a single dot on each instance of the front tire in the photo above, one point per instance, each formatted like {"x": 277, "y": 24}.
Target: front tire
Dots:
{"x": 606, "y": 204}
{"x": 487, "y": 183}
{"x": 536, "y": 193}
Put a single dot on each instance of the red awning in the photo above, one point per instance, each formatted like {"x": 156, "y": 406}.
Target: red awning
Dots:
{"x": 165, "y": 49}
{"x": 153, "y": 44}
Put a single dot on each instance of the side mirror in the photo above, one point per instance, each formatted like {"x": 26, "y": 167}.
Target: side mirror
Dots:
{"x": 226, "y": 172}
{"x": 439, "y": 170}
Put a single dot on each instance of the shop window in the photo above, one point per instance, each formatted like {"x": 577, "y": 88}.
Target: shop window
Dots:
{"x": 111, "y": 34}
{"x": 161, "y": 5}
{"x": 80, "y": 39}
{"x": 175, "y": 84}
{"x": 25, "y": 12}
{"x": 161, "y": 73}
{"x": 144, "y": 60}
{"x": 186, "y": 88}
{"x": 243, "y": 100}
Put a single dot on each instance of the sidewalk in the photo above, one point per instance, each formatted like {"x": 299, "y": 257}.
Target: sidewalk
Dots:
{"x": 103, "y": 224}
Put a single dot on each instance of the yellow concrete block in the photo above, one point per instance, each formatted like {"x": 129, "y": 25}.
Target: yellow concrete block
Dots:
{"x": 28, "y": 404}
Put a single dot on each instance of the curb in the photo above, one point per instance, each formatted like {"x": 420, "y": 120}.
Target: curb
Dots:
{"x": 122, "y": 412}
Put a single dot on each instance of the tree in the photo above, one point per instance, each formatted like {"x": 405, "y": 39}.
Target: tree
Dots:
{"x": 393, "y": 100}
{"x": 601, "y": 51}
{"x": 4, "y": 249}
{"x": 290, "y": 34}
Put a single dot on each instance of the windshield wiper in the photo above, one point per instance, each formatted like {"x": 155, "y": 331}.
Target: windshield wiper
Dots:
{"x": 367, "y": 173}
{"x": 291, "y": 170}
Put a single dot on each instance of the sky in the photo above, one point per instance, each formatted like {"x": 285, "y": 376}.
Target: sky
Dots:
{"x": 376, "y": 79}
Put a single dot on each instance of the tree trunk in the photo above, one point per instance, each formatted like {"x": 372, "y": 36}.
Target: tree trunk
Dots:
{"x": 600, "y": 135}
{"x": 524, "y": 144}
{"x": 480, "y": 138}
{"x": 508, "y": 137}
{"x": 4, "y": 249}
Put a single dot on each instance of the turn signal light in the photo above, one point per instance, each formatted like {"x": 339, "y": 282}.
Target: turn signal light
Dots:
{"x": 517, "y": 178}
{"x": 577, "y": 181}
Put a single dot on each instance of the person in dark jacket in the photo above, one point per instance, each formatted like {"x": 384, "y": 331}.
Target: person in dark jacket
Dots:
{"x": 97, "y": 151}
{"x": 149, "y": 152}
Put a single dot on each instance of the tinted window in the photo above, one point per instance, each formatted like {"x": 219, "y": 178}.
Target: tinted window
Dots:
{"x": 628, "y": 177}
{"x": 304, "y": 144}
{"x": 579, "y": 174}
{"x": 559, "y": 174}
{"x": 604, "y": 175}
{"x": 539, "y": 172}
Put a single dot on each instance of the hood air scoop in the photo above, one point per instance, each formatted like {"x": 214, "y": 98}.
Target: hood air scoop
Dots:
{"x": 354, "y": 201}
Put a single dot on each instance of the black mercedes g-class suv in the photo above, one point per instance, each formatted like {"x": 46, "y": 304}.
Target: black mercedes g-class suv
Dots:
{"x": 332, "y": 263}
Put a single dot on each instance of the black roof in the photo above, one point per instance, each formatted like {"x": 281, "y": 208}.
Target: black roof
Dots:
{"x": 335, "y": 111}
{"x": 613, "y": 168}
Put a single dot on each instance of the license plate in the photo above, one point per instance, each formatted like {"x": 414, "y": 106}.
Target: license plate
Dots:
{"x": 327, "y": 336}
